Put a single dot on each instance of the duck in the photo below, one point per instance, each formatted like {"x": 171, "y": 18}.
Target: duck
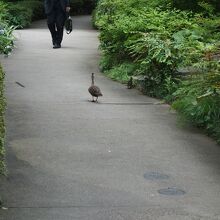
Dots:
{"x": 94, "y": 90}
{"x": 130, "y": 83}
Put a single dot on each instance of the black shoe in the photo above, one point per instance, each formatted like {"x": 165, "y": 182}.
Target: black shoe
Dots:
{"x": 56, "y": 46}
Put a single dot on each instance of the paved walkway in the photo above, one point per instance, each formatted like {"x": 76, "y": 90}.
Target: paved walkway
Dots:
{"x": 70, "y": 159}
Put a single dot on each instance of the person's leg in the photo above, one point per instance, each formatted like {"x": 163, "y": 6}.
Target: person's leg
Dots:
{"x": 51, "y": 22}
{"x": 60, "y": 20}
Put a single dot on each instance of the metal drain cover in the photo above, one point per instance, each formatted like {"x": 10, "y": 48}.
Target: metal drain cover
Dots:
{"x": 172, "y": 191}
{"x": 155, "y": 176}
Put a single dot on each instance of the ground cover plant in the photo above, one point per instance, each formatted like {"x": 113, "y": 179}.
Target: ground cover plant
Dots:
{"x": 156, "y": 39}
{"x": 6, "y": 46}
{"x": 2, "y": 127}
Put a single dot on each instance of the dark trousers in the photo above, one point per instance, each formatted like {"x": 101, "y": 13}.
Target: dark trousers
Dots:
{"x": 55, "y": 22}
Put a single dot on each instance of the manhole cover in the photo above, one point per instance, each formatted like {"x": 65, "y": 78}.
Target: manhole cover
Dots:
{"x": 172, "y": 191}
{"x": 155, "y": 176}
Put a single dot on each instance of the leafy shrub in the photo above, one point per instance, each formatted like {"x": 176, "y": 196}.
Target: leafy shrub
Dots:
{"x": 22, "y": 13}
{"x": 198, "y": 99}
{"x": 107, "y": 62}
{"x": 158, "y": 40}
{"x": 82, "y": 6}
{"x": 18, "y": 15}
{"x": 2, "y": 127}
{"x": 144, "y": 36}
{"x": 204, "y": 113}
{"x": 6, "y": 37}
{"x": 3, "y": 9}
{"x": 6, "y": 45}
{"x": 122, "y": 72}
{"x": 36, "y": 6}
{"x": 197, "y": 5}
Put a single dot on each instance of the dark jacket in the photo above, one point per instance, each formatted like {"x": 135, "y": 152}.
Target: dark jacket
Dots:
{"x": 49, "y": 5}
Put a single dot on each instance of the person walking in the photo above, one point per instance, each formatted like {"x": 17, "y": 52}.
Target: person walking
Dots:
{"x": 56, "y": 11}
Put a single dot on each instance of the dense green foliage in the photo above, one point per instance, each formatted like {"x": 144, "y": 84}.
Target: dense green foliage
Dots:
{"x": 155, "y": 39}
{"x": 2, "y": 128}
{"x": 197, "y": 5}
{"x": 82, "y": 6}
{"x": 20, "y": 14}
{"x": 6, "y": 38}
{"x": 6, "y": 45}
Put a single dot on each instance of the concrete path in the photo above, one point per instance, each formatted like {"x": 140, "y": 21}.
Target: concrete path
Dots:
{"x": 70, "y": 159}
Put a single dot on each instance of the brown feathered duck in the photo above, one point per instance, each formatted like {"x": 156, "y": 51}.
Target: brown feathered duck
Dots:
{"x": 94, "y": 90}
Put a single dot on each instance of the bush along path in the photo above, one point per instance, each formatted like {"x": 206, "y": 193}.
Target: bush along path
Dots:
{"x": 2, "y": 126}
{"x": 6, "y": 46}
{"x": 2, "y": 130}
{"x": 156, "y": 40}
